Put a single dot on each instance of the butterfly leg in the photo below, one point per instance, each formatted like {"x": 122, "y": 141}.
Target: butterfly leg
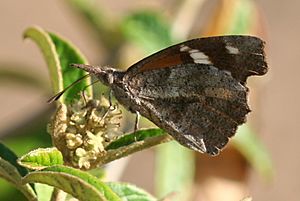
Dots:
{"x": 110, "y": 107}
{"x": 110, "y": 98}
{"x": 84, "y": 97}
{"x": 136, "y": 125}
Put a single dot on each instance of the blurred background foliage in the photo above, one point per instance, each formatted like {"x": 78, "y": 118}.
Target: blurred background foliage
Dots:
{"x": 128, "y": 39}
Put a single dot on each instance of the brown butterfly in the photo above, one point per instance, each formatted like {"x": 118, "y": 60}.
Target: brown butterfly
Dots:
{"x": 194, "y": 90}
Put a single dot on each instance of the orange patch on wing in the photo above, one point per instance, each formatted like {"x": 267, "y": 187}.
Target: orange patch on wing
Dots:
{"x": 162, "y": 63}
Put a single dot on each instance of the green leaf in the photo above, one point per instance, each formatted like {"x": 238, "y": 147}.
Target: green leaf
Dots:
{"x": 148, "y": 30}
{"x": 67, "y": 54}
{"x": 130, "y": 192}
{"x": 11, "y": 174}
{"x": 253, "y": 150}
{"x": 134, "y": 142}
{"x": 11, "y": 157}
{"x": 79, "y": 184}
{"x": 173, "y": 159}
{"x": 47, "y": 47}
{"x": 43, "y": 191}
{"x": 139, "y": 135}
{"x": 99, "y": 172}
{"x": 41, "y": 158}
{"x": 59, "y": 54}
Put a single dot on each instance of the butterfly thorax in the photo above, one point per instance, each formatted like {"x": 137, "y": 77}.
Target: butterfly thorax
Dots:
{"x": 124, "y": 94}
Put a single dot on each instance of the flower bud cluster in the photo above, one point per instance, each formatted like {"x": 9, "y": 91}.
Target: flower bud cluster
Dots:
{"x": 82, "y": 130}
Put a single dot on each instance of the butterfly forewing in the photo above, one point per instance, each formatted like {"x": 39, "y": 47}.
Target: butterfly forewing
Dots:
{"x": 242, "y": 56}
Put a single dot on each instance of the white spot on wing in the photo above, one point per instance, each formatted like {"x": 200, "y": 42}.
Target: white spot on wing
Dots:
{"x": 200, "y": 57}
{"x": 184, "y": 48}
{"x": 197, "y": 56}
{"x": 232, "y": 50}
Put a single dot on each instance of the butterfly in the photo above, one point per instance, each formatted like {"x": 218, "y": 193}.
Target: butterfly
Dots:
{"x": 195, "y": 90}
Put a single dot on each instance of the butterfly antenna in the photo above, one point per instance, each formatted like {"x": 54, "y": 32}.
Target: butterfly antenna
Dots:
{"x": 59, "y": 94}
{"x": 90, "y": 84}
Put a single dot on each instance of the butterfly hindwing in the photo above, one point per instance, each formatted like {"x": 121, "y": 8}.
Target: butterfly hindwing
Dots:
{"x": 193, "y": 103}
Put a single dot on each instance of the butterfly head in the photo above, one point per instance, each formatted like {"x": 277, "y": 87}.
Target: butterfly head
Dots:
{"x": 103, "y": 73}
